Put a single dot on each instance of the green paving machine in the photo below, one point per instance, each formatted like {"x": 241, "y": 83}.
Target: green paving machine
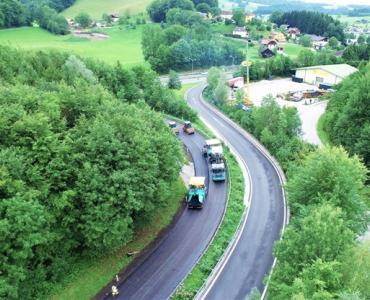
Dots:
{"x": 197, "y": 192}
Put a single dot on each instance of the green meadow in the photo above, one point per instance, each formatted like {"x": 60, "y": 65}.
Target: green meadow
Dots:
{"x": 123, "y": 45}
{"x": 95, "y": 8}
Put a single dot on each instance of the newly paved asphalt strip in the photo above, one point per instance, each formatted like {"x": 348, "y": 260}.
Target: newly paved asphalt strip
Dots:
{"x": 159, "y": 275}
{"x": 252, "y": 257}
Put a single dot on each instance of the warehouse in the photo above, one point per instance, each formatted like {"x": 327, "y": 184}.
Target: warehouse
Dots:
{"x": 327, "y": 75}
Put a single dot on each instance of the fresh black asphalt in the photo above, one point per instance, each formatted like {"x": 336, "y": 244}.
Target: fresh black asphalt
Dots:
{"x": 252, "y": 258}
{"x": 162, "y": 271}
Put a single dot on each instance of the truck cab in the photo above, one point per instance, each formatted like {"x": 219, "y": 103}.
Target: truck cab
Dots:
{"x": 208, "y": 146}
{"x": 173, "y": 126}
{"x": 197, "y": 192}
{"x": 188, "y": 128}
{"x": 218, "y": 172}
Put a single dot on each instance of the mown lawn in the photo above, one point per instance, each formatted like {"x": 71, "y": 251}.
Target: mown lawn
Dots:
{"x": 92, "y": 275}
{"x": 95, "y": 8}
{"x": 123, "y": 45}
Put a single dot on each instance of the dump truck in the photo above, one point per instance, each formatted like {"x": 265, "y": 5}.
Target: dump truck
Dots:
{"x": 173, "y": 126}
{"x": 188, "y": 128}
{"x": 216, "y": 155}
{"x": 218, "y": 172}
{"x": 197, "y": 192}
{"x": 208, "y": 145}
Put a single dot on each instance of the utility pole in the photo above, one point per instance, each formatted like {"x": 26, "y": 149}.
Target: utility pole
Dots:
{"x": 247, "y": 97}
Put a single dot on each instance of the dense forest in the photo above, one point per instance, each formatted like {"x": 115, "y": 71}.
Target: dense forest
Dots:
{"x": 14, "y": 13}
{"x": 158, "y": 9}
{"x": 347, "y": 118}
{"x": 83, "y": 161}
{"x": 310, "y": 22}
{"x": 184, "y": 39}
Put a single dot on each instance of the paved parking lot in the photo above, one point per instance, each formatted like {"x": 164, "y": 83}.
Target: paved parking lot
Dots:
{"x": 309, "y": 113}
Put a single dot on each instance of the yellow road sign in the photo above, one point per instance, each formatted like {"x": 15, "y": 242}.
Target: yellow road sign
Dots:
{"x": 246, "y": 63}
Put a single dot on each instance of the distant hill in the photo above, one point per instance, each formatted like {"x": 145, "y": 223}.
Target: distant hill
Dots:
{"x": 95, "y": 8}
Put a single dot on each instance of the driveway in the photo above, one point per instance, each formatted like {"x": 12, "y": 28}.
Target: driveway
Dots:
{"x": 309, "y": 113}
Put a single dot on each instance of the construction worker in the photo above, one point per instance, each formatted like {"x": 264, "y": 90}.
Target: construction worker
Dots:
{"x": 115, "y": 291}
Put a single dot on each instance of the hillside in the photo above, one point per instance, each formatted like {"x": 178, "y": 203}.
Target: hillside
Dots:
{"x": 95, "y": 8}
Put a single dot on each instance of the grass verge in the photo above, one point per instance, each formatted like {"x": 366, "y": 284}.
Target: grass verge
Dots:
{"x": 323, "y": 135}
{"x": 91, "y": 275}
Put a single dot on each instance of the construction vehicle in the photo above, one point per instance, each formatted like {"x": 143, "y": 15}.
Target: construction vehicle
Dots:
{"x": 188, "y": 128}
{"x": 197, "y": 192}
{"x": 216, "y": 156}
{"x": 173, "y": 126}
{"x": 208, "y": 145}
{"x": 218, "y": 172}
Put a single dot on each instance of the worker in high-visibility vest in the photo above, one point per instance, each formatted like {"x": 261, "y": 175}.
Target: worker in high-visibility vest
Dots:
{"x": 115, "y": 291}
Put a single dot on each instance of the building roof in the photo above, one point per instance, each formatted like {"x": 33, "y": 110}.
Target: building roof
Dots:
{"x": 226, "y": 12}
{"x": 340, "y": 70}
{"x": 239, "y": 29}
{"x": 268, "y": 41}
{"x": 316, "y": 38}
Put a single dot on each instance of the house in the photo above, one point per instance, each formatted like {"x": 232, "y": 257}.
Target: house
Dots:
{"x": 226, "y": 14}
{"x": 278, "y": 36}
{"x": 328, "y": 75}
{"x": 318, "y": 41}
{"x": 267, "y": 53}
{"x": 114, "y": 16}
{"x": 249, "y": 16}
{"x": 293, "y": 32}
{"x": 240, "y": 31}
{"x": 270, "y": 44}
{"x": 236, "y": 83}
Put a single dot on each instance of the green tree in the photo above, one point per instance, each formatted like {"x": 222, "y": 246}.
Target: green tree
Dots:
{"x": 174, "y": 80}
{"x": 348, "y": 117}
{"x": 361, "y": 39}
{"x": 333, "y": 42}
{"x": 321, "y": 236}
{"x": 355, "y": 269}
{"x": 221, "y": 91}
{"x": 239, "y": 17}
{"x": 329, "y": 175}
{"x": 83, "y": 19}
{"x": 213, "y": 77}
{"x": 305, "y": 41}
{"x": 107, "y": 18}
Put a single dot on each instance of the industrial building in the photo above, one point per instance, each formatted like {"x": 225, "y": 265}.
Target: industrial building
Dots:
{"x": 327, "y": 75}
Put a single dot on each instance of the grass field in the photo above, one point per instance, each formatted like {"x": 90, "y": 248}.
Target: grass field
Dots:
{"x": 95, "y": 8}
{"x": 122, "y": 45}
{"x": 353, "y": 20}
{"x": 91, "y": 276}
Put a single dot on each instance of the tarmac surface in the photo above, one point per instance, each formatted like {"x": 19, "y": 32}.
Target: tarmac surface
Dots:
{"x": 252, "y": 257}
{"x": 169, "y": 263}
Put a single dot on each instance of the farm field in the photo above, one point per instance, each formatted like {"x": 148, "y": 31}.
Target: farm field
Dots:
{"x": 95, "y": 8}
{"x": 354, "y": 20}
{"x": 122, "y": 45}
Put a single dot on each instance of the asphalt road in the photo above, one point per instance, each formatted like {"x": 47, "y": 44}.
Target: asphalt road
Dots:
{"x": 159, "y": 275}
{"x": 252, "y": 258}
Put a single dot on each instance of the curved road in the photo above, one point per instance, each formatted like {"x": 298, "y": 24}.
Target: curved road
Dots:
{"x": 251, "y": 259}
{"x": 162, "y": 271}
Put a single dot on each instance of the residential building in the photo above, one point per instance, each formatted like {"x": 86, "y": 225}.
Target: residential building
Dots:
{"x": 249, "y": 16}
{"x": 293, "y": 32}
{"x": 325, "y": 74}
{"x": 267, "y": 53}
{"x": 270, "y": 44}
{"x": 226, "y": 14}
{"x": 278, "y": 36}
{"x": 318, "y": 41}
{"x": 240, "y": 31}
